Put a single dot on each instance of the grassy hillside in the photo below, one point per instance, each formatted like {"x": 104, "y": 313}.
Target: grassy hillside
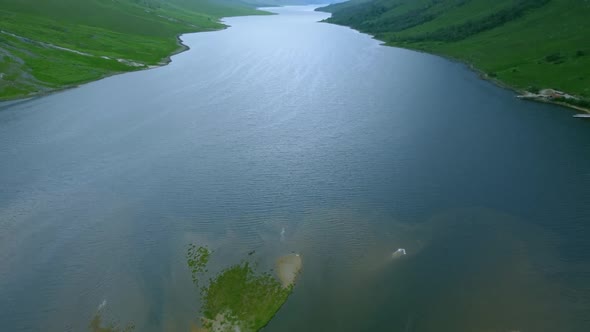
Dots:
{"x": 50, "y": 44}
{"x": 527, "y": 44}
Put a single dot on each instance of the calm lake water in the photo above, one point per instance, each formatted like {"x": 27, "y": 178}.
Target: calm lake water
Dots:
{"x": 282, "y": 134}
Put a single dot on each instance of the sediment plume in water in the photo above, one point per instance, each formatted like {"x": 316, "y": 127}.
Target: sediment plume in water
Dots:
{"x": 362, "y": 271}
{"x": 97, "y": 325}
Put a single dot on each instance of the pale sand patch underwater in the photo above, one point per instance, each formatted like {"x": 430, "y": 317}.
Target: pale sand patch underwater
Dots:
{"x": 288, "y": 268}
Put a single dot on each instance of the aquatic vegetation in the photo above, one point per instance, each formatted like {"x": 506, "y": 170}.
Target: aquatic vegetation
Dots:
{"x": 197, "y": 259}
{"x": 239, "y": 298}
{"x": 242, "y": 298}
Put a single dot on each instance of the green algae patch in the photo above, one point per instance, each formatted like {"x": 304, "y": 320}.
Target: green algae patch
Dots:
{"x": 197, "y": 259}
{"x": 238, "y": 298}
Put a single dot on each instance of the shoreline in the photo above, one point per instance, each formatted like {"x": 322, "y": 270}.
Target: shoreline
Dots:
{"x": 4, "y": 102}
{"x": 521, "y": 94}
{"x": 480, "y": 73}
{"x": 163, "y": 62}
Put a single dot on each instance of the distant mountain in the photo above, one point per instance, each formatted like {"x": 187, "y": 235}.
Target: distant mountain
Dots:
{"x": 50, "y": 44}
{"x": 263, "y": 3}
{"x": 528, "y": 44}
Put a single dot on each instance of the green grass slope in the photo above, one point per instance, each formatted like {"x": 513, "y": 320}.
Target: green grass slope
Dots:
{"x": 527, "y": 44}
{"x": 51, "y": 44}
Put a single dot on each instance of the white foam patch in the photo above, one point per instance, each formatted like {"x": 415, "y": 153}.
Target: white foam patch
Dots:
{"x": 102, "y": 305}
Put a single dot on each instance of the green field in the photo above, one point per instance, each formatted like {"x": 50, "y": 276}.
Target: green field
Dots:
{"x": 527, "y": 44}
{"x": 51, "y": 44}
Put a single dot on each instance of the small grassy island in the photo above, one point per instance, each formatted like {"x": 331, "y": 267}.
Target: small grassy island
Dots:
{"x": 528, "y": 45}
{"x": 239, "y": 298}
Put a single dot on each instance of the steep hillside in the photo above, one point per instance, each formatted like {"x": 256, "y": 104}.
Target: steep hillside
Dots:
{"x": 50, "y": 44}
{"x": 527, "y": 44}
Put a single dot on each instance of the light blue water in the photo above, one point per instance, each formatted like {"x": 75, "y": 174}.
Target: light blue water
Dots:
{"x": 279, "y": 122}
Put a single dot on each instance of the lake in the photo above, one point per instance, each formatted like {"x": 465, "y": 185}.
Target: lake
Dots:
{"x": 279, "y": 135}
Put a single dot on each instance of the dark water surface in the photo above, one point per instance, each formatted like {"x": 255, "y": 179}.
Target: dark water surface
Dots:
{"x": 284, "y": 124}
